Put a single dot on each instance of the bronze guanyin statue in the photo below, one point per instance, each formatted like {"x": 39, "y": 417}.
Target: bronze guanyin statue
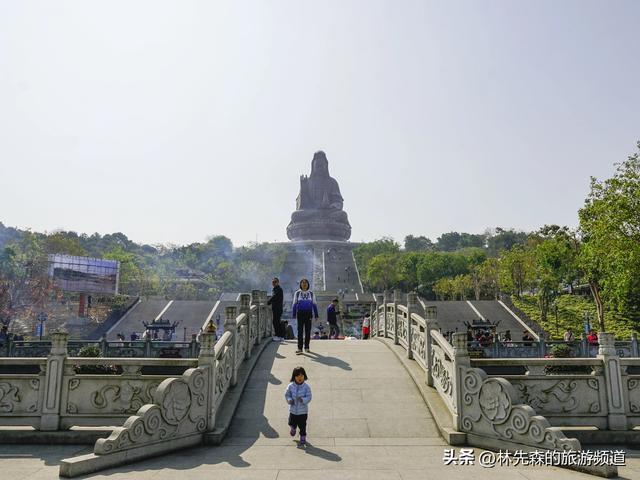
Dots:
{"x": 319, "y": 214}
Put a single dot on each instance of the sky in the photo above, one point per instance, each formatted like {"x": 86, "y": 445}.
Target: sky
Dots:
{"x": 174, "y": 121}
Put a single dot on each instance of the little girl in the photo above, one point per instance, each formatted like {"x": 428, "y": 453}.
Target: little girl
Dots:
{"x": 298, "y": 396}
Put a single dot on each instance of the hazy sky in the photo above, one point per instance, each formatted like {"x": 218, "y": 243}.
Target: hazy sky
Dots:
{"x": 173, "y": 121}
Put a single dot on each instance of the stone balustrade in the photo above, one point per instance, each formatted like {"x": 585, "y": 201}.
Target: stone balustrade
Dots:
{"x": 155, "y": 405}
{"x": 146, "y": 348}
{"x": 502, "y": 402}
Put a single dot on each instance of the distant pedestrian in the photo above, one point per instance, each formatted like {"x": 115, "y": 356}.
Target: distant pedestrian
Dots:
{"x": 527, "y": 338}
{"x": 568, "y": 335}
{"x": 298, "y": 396}
{"x": 304, "y": 307}
{"x": 332, "y": 318}
{"x": 592, "y": 338}
{"x": 276, "y": 301}
{"x": 366, "y": 322}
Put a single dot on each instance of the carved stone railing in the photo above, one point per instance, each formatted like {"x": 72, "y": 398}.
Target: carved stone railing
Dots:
{"x": 139, "y": 348}
{"x": 520, "y": 400}
{"x": 544, "y": 348}
{"x": 184, "y": 409}
{"x": 486, "y": 409}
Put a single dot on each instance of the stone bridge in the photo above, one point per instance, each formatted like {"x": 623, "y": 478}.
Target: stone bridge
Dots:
{"x": 384, "y": 408}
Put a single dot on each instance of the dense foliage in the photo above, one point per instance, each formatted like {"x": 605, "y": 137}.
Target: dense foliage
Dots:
{"x": 601, "y": 258}
{"x": 196, "y": 271}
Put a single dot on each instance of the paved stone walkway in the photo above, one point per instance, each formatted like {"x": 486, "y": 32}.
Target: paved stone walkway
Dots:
{"x": 367, "y": 421}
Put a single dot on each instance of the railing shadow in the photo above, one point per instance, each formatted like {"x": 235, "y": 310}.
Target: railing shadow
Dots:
{"x": 244, "y": 431}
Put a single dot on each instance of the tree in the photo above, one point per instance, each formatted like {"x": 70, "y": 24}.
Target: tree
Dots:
{"x": 382, "y": 271}
{"x": 25, "y": 285}
{"x": 444, "y": 289}
{"x": 452, "y": 241}
{"x": 436, "y": 265}
{"x": 610, "y": 229}
{"x": 417, "y": 244}
{"x": 517, "y": 269}
{"x": 503, "y": 240}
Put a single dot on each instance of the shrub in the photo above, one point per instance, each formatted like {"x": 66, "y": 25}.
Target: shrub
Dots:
{"x": 93, "y": 351}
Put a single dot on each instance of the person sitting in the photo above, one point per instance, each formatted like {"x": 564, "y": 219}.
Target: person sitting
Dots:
{"x": 486, "y": 339}
{"x": 592, "y": 338}
{"x": 316, "y": 335}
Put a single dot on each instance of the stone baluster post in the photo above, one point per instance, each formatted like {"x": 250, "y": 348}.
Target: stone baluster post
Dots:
{"x": 542, "y": 347}
{"x": 379, "y": 303}
{"x": 634, "y": 345}
{"x": 617, "y": 418}
{"x": 584, "y": 346}
{"x": 246, "y": 302}
{"x": 461, "y": 362}
{"x": 206, "y": 360}
{"x": 193, "y": 346}
{"x": 50, "y": 418}
{"x": 387, "y": 302}
{"x": 266, "y": 315}
{"x": 397, "y": 299}
{"x": 147, "y": 346}
{"x": 104, "y": 346}
{"x": 412, "y": 307}
{"x": 230, "y": 325}
{"x": 430, "y": 315}
{"x": 255, "y": 300}
{"x": 245, "y": 308}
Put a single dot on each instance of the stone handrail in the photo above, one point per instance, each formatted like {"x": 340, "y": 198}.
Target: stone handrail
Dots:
{"x": 487, "y": 409}
{"x": 155, "y": 404}
{"x": 184, "y": 409}
{"x": 129, "y": 348}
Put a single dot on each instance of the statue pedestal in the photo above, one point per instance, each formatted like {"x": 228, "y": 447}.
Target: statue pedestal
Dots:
{"x": 319, "y": 225}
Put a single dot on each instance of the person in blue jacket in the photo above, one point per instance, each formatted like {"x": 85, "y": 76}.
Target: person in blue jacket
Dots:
{"x": 298, "y": 396}
{"x": 304, "y": 307}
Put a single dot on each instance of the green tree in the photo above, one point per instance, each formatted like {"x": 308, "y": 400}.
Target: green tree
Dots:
{"x": 417, "y": 244}
{"x": 382, "y": 271}
{"x": 503, "y": 240}
{"x": 610, "y": 228}
{"x": 517, "y": 269}
{"x": 436, "y": 265}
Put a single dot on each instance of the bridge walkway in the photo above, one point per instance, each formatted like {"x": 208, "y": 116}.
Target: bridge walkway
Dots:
{"x": 367, "y": 421}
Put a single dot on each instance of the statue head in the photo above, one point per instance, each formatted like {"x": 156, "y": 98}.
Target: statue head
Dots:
{"x": 320, "y": 164}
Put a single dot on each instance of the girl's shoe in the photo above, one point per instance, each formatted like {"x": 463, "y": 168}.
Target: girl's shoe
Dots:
{"x": 303, "y": 439}
{"x": 298, "y": 352}
{"x": 292, "y": 432}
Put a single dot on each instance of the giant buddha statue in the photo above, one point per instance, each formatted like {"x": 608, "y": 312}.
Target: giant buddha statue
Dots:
{"x": 319, "y": 214}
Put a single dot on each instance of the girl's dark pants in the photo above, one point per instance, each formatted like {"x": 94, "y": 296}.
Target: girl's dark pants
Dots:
{"x": 304, "y": 327}
{"x": 299, "y": 421}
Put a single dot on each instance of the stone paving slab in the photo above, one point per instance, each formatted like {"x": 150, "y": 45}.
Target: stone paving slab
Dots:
{"x": 361, "y": 427}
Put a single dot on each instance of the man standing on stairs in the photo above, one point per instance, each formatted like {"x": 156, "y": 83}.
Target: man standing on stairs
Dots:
{"x": 276, "y": 301}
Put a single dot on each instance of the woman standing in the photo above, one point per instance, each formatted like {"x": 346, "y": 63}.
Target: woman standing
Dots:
{"x": 304, "y": 306}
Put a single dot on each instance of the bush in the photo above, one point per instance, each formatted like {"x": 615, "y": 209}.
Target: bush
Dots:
{"x": 564, "y": 351}
{"x": 93, "y": 351}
